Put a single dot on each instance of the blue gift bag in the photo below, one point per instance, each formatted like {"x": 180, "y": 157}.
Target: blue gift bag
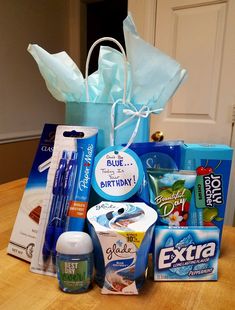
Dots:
{"x": 121, "y": 94}
{"x": 99, "y": 115}
{"x": 104, "y": 116}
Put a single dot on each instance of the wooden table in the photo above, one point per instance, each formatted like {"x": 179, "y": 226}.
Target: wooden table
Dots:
{"x": 21, "y": 289}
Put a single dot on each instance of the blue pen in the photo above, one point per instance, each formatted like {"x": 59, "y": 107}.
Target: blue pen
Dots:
{"x": 79, "y": 203}
{"x": 56, "y": 199}
{"x": 68, "y": 185}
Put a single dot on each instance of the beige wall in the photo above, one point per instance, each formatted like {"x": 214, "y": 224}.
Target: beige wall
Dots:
{"x": 25, "y": 103}
{"x": 17, "y": 159}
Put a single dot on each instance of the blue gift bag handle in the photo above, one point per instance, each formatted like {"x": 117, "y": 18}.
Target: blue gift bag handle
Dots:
{"x": 124, "y": 63}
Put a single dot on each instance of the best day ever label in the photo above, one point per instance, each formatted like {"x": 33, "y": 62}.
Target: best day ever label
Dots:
{"x": 117, "y": 174}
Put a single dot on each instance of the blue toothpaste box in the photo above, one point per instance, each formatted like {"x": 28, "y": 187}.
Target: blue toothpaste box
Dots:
{"x": 186, "y": 253}
{"x": 23, "y": 237}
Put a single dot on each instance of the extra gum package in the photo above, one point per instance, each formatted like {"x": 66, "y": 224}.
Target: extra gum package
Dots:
{"x": 186, "y": 253}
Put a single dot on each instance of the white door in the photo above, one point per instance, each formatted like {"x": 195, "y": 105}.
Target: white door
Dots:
{"x": 200, "y": 34}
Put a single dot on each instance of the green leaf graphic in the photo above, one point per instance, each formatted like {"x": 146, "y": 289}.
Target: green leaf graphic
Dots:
{"x": 187, "y": 195}
{"x": 218, "y": 219}
{"x": 209, "y": 214}
{"x": 178, "y": 185}
{"x": 166, "y": 193}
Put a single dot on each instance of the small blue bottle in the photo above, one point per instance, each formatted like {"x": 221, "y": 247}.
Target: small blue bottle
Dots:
{"x": 74, "y": 261}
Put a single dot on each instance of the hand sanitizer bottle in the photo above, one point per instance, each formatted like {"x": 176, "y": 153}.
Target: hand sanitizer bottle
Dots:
{"x": 74, "y": 261}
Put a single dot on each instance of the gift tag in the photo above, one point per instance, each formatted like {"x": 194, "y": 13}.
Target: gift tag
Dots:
{"x": 117, "y": 174}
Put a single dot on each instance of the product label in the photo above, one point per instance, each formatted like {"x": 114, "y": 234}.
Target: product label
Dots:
{"x": 118, "y": 175}
{"x": 74, "y": 275}
{"x": 121, "y": 229}
{"x": 120, "y": 263}
{"x": 186, "y": 253}
{"x": 211, "y": 189}
{"x": 174, "y": 257}
{"x": 171, "y": 193}
{"x": 77, "y": 209}
{"x": 86, "y": 167}
{"x": 173, "y": 204}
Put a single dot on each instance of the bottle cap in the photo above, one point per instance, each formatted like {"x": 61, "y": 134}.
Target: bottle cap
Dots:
{"x": 74, "y": 242}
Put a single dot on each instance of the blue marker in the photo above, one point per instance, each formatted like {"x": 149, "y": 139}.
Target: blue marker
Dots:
{"x": 56, "y": 200}
{"x": 68, "y": 185}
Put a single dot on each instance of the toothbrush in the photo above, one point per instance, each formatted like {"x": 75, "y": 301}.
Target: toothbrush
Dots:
{"x": 56, "y": 200}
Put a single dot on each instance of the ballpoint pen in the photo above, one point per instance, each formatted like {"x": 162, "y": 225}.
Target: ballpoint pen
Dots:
{"x": 56, "y": 201}
{"x": 67, "y": 190}
{"x": 72, "y": 221}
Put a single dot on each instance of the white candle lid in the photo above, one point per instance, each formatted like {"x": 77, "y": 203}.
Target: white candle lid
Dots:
{"x": 74, "y": 242}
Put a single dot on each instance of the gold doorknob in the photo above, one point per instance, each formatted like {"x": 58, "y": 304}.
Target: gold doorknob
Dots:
{"x": 157, "y": 136}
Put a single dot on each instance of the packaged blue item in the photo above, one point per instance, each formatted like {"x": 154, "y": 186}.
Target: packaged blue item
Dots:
{"x": 164, "y": 155}
{"x": 86, "y": 149}
{"x": 121, "y": 234}
{"x": 186, "y": 253}
{"x": 212, "y": 163}
{"x": 170, "y": 194}
{"x": 67, "y": 192}
{"x": 74, "y": 261}
{"x": 135, "y": 87}
{"x": 22, "y": 241}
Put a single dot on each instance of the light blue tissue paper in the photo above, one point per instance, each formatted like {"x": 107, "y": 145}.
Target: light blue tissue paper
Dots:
{"x": 152, "y": 76}
{"x": 66, "y": 83}
{"x": 106, "y": 85}
{"x": 155, "y": 75}
{"x": 63, "y": 78}
{"x": 152, "y": 79}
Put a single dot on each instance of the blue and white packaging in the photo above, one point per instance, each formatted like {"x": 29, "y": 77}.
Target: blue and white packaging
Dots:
{"x": 61, "y": 205}
{"x": 186, "y": 253}
{"x": 23, "y": 237}
{"x": 212, "y": 163}
{"x": 121, "y": 235}
{"x": 164, "y": 155}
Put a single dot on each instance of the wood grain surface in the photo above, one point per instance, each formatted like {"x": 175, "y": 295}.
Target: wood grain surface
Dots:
{"x": 21, "y": 289}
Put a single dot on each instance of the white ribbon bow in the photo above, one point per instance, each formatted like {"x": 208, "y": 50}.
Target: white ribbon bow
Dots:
{"x": 144, "y": 112}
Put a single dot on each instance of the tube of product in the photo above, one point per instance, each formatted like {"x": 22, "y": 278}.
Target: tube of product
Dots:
{"x": 78, "y": 205}
{"x": 170, "y": 194}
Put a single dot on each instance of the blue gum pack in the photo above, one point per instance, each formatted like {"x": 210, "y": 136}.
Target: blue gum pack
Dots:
{"x": 186, "y": 253}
